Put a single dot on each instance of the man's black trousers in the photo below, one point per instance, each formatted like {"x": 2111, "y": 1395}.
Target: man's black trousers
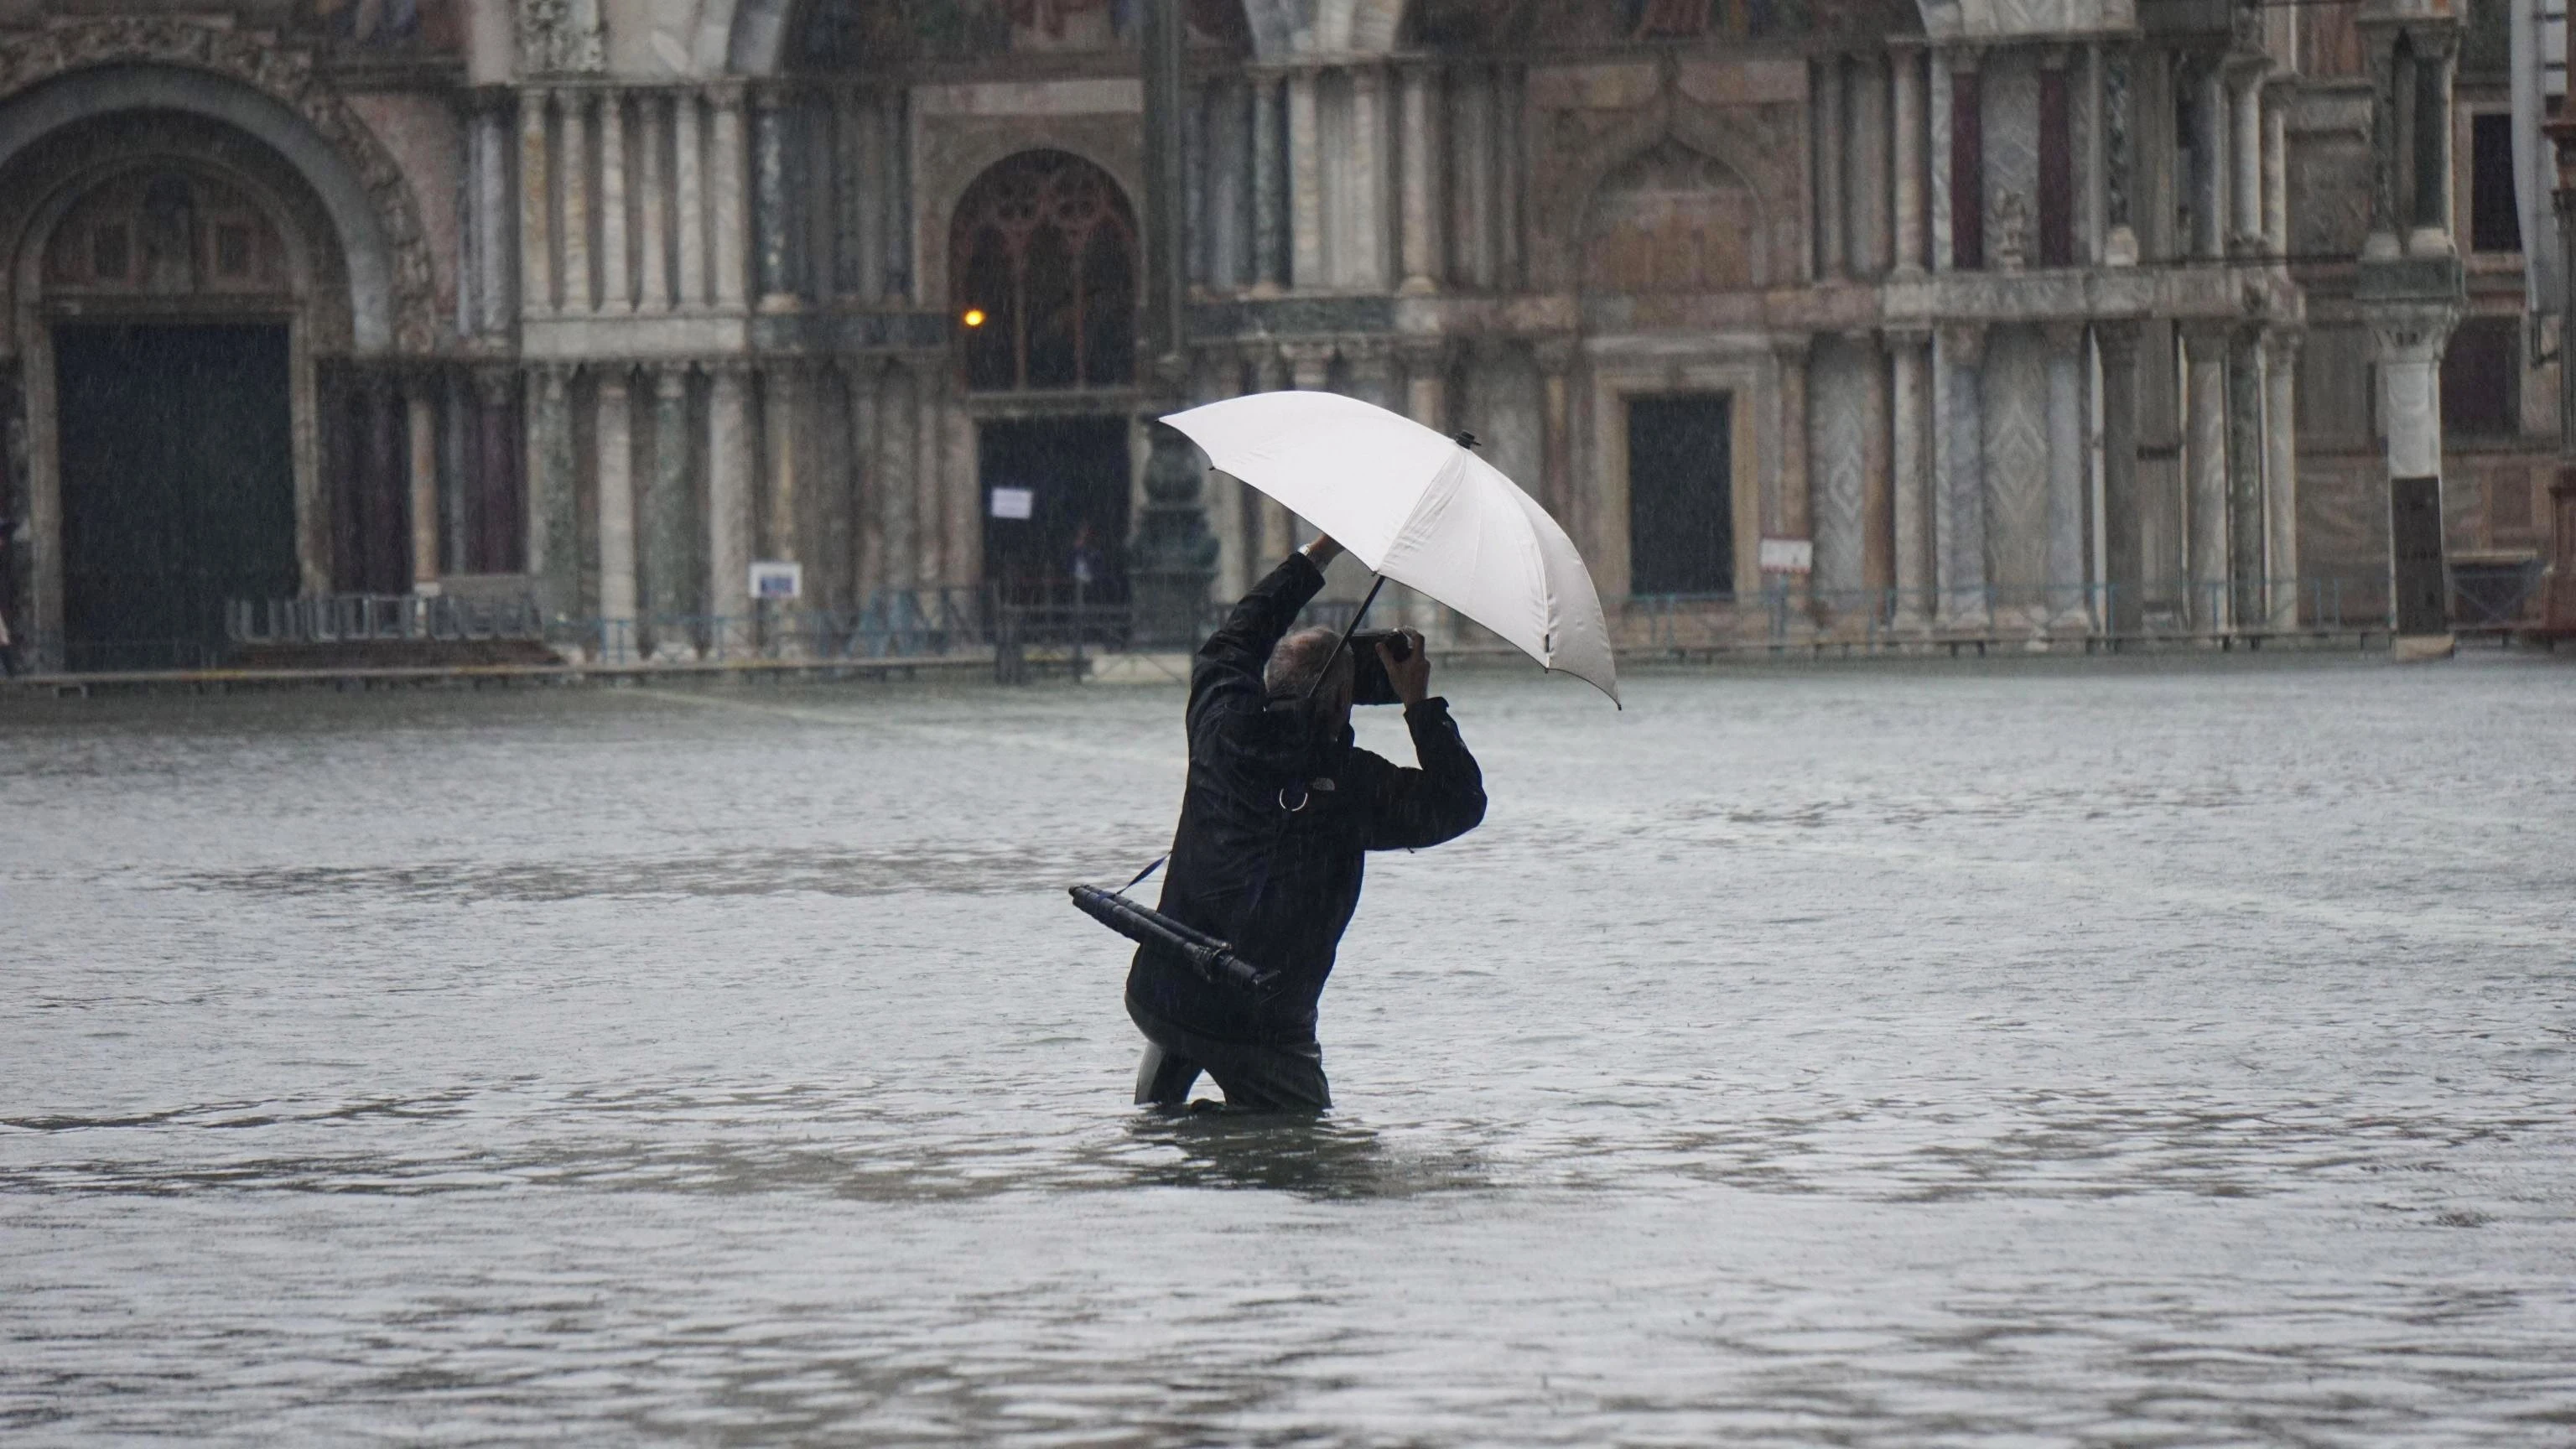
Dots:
{"x": 1256, "y": 1076}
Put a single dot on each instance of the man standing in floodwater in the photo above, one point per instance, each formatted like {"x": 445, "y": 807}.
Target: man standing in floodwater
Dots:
{"x": 1279, "y": 814}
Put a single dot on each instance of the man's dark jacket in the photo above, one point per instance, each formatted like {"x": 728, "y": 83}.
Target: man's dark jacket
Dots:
{"x": 1281, "y": 882}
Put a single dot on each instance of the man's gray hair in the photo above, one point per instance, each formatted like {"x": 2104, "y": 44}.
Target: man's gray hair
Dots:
{"x": 1299, "y": 661}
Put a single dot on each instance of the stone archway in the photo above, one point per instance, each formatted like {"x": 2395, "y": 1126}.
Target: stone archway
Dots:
{"x": 264, "y": 85}
{"x": 174, "y": 291}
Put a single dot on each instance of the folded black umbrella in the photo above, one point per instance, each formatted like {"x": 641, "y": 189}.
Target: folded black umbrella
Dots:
{"x": 1213, "y": 960}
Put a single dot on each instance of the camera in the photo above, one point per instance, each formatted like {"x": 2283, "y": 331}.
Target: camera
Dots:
{"x": 1369, "y": 684}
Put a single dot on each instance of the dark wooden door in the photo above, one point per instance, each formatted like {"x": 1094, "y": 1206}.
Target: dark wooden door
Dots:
{"x": 1681, "y": 495}
{"x": 2415, "y": 541}
{"x": 1075, "y": 472}
{"x": 178, "y": 486}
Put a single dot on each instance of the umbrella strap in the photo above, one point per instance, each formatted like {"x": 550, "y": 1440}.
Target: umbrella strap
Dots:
{"x": 1140, "y": 875}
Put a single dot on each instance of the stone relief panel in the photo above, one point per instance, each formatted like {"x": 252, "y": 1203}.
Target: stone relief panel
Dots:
{"x": 2329, "y": 194}
{"x": 166, "y": 232}
{"x": 1674, "y": 220}
{"x": 1590, "y": 24}
{"x": 396, "y": 27}
{"x": 871, "y": 34}
{"x": 560, "y": 37}
{"x": 1631, "y": 154}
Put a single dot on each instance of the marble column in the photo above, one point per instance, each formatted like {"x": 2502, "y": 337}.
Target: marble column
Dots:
{"x": 2246, "y": 454}
{"x": 2281, "y": 477}
{"x": 1827, "y": 190}
{"x": 845, "y": 159}
{"x": 1306, "y": 182}
{"x": 867, "y": 201}
{"x": 492, "y": 210}
{"x": 2245, "y": 157}
{"x": 1556, "y": 358}
{"x": 2436, "y": 47}
{"x": 536, "y": 207}
{"x": 1966, "y": 164}
{"x": 689, "y": 201}
{"x": 773, "y": 212}
{"x": 2278, "y": 94}
{"x": 455, "y": 461}
{"x": 935, "y": 550}
{"x": 554, "y": 529}
{"x": 500, "y": 529}
{"x": 2124, "y": 566}
{"x": 2205, "y": 491}
{"x": 1939, "y": 106}
{"x": 2380, "y": 243}
{"x": 2209, "y": 183}
{"x": 782, "y": 404}
{"x": 729, "y": 517}
{"x": 867, "y": 485}
{"x": 670, "y": 520}
{"x": 581, "y": 283}
{"x": 1959, "y": 492}
{"x": 2119, "y": 157}
{"x": 1792, "y": 511}
{"x": 1366, "y": 162}
{"x": 898, "y": 408}
{"x": 616, "y": 443}
{"x": 652, "y": 113}
{"x": 1426, "y": 401}
{"x": 1269, "y": 210}
{"x": 894, "y": 131}
{"x": 2067, "y": 602}
{"x": 616, "y": 274}
{"x": 420, "y": 401}
{"x": 1909, "y": 468}
{"x": 1907, "y": 152}
{"x": 2408, "y": 339}
{"x": 1422, "y": 247}
{"x": 1865, "y": 243}
{"x": 725, "y": 163}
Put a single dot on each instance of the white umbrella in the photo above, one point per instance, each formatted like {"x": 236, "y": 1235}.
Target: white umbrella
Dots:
{"x": 1418, "y": 508}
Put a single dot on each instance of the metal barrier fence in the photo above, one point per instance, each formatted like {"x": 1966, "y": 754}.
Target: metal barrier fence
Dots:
{"x": 895, "y": 624}
{"x": 2172, "y": 609}
{"x": 369, "y": 618}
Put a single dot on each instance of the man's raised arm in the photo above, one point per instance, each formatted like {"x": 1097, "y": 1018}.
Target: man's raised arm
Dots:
{"x": 1242, "y": 644}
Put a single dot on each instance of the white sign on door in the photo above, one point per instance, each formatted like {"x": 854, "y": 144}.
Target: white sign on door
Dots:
{"x": 1014, "y": 502}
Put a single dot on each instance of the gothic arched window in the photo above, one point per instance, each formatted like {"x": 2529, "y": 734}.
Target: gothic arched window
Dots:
{"x": 1043, "y": 270}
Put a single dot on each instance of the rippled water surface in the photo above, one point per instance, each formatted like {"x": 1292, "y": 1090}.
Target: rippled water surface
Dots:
{"x": 2127, "y": 1054}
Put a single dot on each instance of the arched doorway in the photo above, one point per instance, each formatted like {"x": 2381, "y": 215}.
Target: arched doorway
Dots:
{"x": 1043, "y": 270}
{"x": 171, "y": 279}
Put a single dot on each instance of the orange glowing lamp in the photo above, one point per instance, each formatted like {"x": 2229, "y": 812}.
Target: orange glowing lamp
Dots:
{"x": 974, "y": 317}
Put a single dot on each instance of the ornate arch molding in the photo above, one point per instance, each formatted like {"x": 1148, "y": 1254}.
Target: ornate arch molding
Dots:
{"x": 85, "y": 157}
{"x": 1760, "y": 144}
{"x": 261, "y": 84}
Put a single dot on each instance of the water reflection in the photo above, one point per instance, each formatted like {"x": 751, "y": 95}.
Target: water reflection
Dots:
{"x": 1323, "y": 1157}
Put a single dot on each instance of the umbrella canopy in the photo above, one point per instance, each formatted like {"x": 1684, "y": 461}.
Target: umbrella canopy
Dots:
{"x": 1418, "y": 508}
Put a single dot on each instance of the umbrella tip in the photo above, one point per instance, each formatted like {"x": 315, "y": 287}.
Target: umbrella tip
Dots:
{"x": 1463, "y": 438}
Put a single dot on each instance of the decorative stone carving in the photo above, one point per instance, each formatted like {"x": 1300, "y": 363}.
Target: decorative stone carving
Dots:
{"x": 560, "y": 37}
{"x": 270, "y": 64}
{"x": 2012, "y": 232}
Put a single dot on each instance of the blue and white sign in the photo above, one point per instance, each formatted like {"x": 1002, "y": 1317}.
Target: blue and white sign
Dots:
{"x": 777, "y": 580}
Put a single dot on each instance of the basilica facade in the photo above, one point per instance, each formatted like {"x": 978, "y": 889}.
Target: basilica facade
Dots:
{"x": 2010, "y": 319}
